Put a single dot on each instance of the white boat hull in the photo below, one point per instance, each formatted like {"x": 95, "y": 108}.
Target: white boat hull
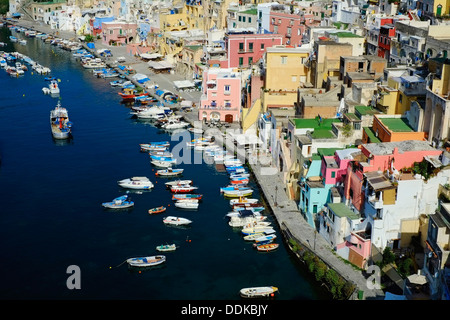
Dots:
{"x": 176, "y": 221}
{"x": 146, "y": 261}
{"x": 258, "y": 292}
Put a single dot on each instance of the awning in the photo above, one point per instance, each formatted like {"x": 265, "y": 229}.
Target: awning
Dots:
{"x": 186, "y": 103}
{"x": 150, "y": 56}
{"x": 184, "y": 84}
{"x": 159, "y": 65}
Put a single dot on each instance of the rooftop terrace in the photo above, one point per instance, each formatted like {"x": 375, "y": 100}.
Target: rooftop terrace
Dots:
{"x": 322, "y": 129}
{"x": 397, "y": 124}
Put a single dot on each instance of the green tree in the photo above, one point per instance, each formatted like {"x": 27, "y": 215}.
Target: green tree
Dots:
{"x": 388, "y": 256}
{"x": 89, "y": 38}
{"x": 347, "y": 130}
{"x": 4, "y": 6}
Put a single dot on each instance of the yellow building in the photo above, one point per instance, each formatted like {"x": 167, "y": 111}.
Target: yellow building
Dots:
{"x": 396, "y": 97}
{"x": 169, "y": 22}
{"x": 441, "y": 8}
{"x": 195, "y": 15}
{"x": 326, "y": 60}
{"x": 285, "y": 73}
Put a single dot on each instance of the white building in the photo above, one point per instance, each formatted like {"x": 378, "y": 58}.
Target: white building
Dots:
{"x": 389, "y": 201}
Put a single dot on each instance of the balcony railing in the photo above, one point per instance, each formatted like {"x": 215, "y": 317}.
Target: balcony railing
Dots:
{"x": 210, "y": 107}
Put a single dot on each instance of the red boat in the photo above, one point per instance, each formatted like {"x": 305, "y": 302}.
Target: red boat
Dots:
{"x": 182, "y": 189}
{"x": 129, "y": 94}
{"x": 240, "y": 182}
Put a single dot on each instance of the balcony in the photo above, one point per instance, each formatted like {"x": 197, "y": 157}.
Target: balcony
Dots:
{"x": 375, "y": 202}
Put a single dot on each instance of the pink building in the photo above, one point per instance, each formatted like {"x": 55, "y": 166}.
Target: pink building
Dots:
{"x": 290, "y": 26}
{"x": 383, "y": 156}
{"x": 334, "y": 168}
{"x": 243, "y": 50}
{"x": 118, "y": 33}
{"x": 221, "y": 98}
{"x": 358, "y": 247}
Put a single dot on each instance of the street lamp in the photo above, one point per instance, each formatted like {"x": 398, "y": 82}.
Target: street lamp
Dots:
{"x": 276, "y": 196}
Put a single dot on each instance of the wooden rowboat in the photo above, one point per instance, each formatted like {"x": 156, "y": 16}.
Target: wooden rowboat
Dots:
{"x": 157, "y": 210}
{"x": 266, "y": 247}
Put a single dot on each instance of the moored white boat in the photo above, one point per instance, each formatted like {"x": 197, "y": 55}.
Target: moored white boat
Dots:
{"x": 241, "y": 222}
{"x": 258, "y": 292}
{"x": 149, "y": 261}
{"x": 161, "y": 164}
{"x": 257, "y": 229}
{"x": 122, "y": 202}
{"x": 265, "y": 238}
{"x": 177, "y": 221}
{"x": 166, "y": 247}
{"x": 136, "y": 183}
{"x": 243, "y": 200}
{"x": 169, "y": 172}
{"x": 178, "y": 183}
{"x": 60, "y": 124}
{"x": 182, "y": 189}
{"x": 54, "y": 87}
{"x": 187, "y": 204}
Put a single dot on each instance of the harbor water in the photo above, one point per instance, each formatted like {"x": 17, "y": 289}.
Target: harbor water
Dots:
{"x": 51, "y": 194}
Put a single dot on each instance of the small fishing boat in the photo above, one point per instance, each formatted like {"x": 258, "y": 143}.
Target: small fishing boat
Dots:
{"x": 265, "y": 238}
{"x": 235, "y": 176}
{"x": 130, "y": 94}
{"x": 232, "y": 162}
{"x": 243, "y": 213}
{"x": 257, "y": 229}
{"x": 187, "y": 196}
{"x": 155, "y": 145}
{"x": 148, "y": 148}
{"x": 195, "y": 130}
{"x": 243, "y": 200}
{"x": 178, "y": 183}
{"x": 149, "y": 261}
{"x": 240, "y": 182}
{"x": 60, "y": 125}
{"x": 117, "y": 83}
{"x": 241, "y": 222}
{"x": 166, "y": 247}
{"x": 255, "y": 207}
{"x": 182, "y": 189}
{"x": 136, "y": 183}
{"x": 121, "y": 202}
{"x": 234, "y": 188}
{"x": 234, "y": 169}
{"x": 157, "y": 210}
{"x": 161, "y": 164}
{"x": 238, "y": 193}
{"x": 266, "y": 247}
{"x": 187, "y": 204}
{"x": 252, "y": 237}
{"x": 175, "y": 125}
{"x": 169, "y": 172}
{"x": 177, "y": 221}
{"x": 54, "y": 88}
{"x": 258, "y": 292}
{"x": 164, "y": 159}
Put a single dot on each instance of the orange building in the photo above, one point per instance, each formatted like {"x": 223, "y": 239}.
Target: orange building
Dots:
{"x": 390, "y": 128}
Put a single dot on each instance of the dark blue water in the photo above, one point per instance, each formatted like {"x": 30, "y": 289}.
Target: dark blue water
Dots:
{"x": 51, "y": 193}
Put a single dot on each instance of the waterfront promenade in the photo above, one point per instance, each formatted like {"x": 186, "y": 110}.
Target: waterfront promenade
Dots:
{"x": 285, "y": 210}
{"x": 289, "y": 217}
